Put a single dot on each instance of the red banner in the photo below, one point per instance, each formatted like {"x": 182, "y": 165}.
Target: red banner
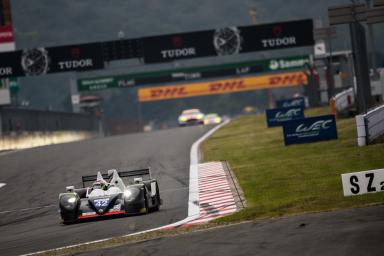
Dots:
{"x": 6, "y": 34}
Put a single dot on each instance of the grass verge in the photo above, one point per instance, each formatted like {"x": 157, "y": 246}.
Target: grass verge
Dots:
{"x": 283, "y": 180}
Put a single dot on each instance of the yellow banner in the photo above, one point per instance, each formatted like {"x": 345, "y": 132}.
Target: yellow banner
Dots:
{"x": 222, "y": 86}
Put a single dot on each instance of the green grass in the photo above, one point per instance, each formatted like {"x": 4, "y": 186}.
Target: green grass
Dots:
{"x": 283, "y": 180}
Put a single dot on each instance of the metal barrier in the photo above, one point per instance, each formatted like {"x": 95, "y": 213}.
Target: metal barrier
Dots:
{"x": 342, "y": 101}
{"x": 16, "y": 120}
{"x": 370, "y": 126}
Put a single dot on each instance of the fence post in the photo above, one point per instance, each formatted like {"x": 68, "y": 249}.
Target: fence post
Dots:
{"x": 361, "y": 130}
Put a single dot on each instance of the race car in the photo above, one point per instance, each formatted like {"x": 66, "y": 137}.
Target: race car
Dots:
{"x": 191, "y": 117}
{"x": 110, "y": 195}
{"x": 212, "y": 118}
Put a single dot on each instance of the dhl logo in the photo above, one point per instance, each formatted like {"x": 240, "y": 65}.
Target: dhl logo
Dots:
{"x": 222, "y": 86}
{"x": 227, "y": 86}
{"x": 168, "y": 92}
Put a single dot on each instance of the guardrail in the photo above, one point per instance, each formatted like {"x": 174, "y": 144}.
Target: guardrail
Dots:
{"x": 370, "y": 126}
{"x": 342, "y": 101}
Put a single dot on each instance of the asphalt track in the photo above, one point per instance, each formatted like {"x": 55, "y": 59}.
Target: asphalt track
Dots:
{"x": 347, "y": 232}
{"x": 29, "y": 220}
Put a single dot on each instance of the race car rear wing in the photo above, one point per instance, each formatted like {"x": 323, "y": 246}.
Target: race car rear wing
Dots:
{"x": 145, "y": 174}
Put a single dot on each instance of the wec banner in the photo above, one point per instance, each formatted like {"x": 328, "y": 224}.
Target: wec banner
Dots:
{"x": 278, "y": 116}
{"x": 310, "y": 129}
{"x": 293, "y": 102}
{"x": 222, "y": 86}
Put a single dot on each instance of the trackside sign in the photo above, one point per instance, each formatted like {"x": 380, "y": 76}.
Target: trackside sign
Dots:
{"x": 293, "y": 102}
{"x": 222, "y": 86}
{"x": 358, "y": 183}
{"x": 310, "y": 129}
{"x": 277, "y": 116}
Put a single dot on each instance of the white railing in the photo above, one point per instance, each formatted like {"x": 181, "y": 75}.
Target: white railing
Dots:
{"x": 370, "y": 126}
{"x": 344, "y": 100}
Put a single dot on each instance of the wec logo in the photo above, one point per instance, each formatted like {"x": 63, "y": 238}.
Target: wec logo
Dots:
{"x": 289, "y": 113}
{"x": 297, "y": 102}
{"x": 316, "y": 126}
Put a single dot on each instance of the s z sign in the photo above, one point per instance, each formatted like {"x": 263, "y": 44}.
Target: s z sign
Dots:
{"x": 359, "y": 183}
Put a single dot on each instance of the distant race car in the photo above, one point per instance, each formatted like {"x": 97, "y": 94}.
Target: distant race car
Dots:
{"x": 191, "y": 117}
{"x": 139, "y": 194}
{"x": 212, "y": 118}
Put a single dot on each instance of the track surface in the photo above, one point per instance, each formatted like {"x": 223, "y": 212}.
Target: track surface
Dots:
{"x": 348, "y": 232}
{"x": 35, "y": 177}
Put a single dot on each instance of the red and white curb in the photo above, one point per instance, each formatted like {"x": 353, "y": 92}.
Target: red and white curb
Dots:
{"x": 215, "y": 195}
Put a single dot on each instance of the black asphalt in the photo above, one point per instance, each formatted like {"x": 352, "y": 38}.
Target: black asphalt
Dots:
{"x": 347, "y": 232}
{"x": 35, "y": 177}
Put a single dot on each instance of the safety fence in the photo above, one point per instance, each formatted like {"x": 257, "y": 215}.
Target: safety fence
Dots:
{"x": 23, "y": 128}
{"x": 370, "y": 126}
{"x": 342, "y": 102}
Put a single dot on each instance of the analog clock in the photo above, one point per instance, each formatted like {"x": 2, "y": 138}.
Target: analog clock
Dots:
{"x": 35, "y": 61}
{"x": 227, "y": 41}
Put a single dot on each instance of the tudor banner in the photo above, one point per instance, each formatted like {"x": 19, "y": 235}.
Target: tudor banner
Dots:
{"x": 228, "y": 41}
{"x": 222, "y": 86}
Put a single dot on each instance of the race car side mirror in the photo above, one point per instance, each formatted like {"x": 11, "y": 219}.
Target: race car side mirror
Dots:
{"x": 70, "y": 188}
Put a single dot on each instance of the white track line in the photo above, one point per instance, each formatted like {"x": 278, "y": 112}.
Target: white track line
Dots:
{"x": 2, "y": 185}
{"x": 193, "y": 201}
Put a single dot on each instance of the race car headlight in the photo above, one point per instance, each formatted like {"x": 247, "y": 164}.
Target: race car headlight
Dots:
{"x": 72, "y": 200}
{"x": 68, "y": 201}
{"x": 200, "y": 116}
{"x": 127, "y": 193}
{"x": 182, "y": 119}
{"x": 131, "y": 194}
{"x": 218, "y": 120}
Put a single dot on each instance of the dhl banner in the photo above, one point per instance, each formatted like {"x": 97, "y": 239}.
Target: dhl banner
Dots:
{"x": 222, "y": 86}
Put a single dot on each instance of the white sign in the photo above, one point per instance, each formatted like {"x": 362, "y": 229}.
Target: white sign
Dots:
{"x": 358, "y": 183}
{"x": 320, "y": 49}
{"x": 75, "y": 99}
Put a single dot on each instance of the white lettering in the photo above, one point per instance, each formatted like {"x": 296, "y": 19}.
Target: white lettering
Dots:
{"x": 322, "y": 124}
{"x": 5, "y": 71}
{"x": 72, "y": 64}
{"x": 173, "y": 53}
{"x": 274, "y": 42}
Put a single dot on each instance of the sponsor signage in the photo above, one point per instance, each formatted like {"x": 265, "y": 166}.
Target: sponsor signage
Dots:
{"x": 293, "y": 102}
{"x": 39, "y": 61}
{"x": 366, "y": 182}
{"x": 310, "y": 129}
{"x": 194, "y": 73}
{"x": 7, "y": 39}
{"x": 222, "y": 86}
{"x": 227, "y": 41}
{"x": 278, "y": 116}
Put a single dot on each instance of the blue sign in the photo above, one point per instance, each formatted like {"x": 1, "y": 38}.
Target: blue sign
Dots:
{"x": 294, "y": 102}
{"x": 277, "y": 116}
{"x": 310, "y": 129}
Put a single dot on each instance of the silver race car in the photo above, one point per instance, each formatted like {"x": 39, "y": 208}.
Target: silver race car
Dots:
{"x": 110, "y": 195}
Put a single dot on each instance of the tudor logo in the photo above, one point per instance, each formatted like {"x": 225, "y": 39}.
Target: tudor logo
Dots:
{"x": 278, "y": 40}
{"x": 6, "y": 71}
{"x": 177, "y": 42}
{"x": 318, "y": 125}
{"x": 289, "y": 113}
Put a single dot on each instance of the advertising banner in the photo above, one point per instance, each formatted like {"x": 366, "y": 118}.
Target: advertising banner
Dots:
{"x": 228, "y": 41}
{"x": 222, "y": 86}
{"x": 310, "y": 129}
{"x": 293, "y": 102}
{"x": 193, "y": 73}
{"x": 278, "y": 116}
{"x": 7, "y": 38}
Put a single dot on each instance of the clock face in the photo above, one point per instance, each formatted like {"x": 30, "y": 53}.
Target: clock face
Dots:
{"x": 35, "y": 61}
{"x": 227, "y": 41}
